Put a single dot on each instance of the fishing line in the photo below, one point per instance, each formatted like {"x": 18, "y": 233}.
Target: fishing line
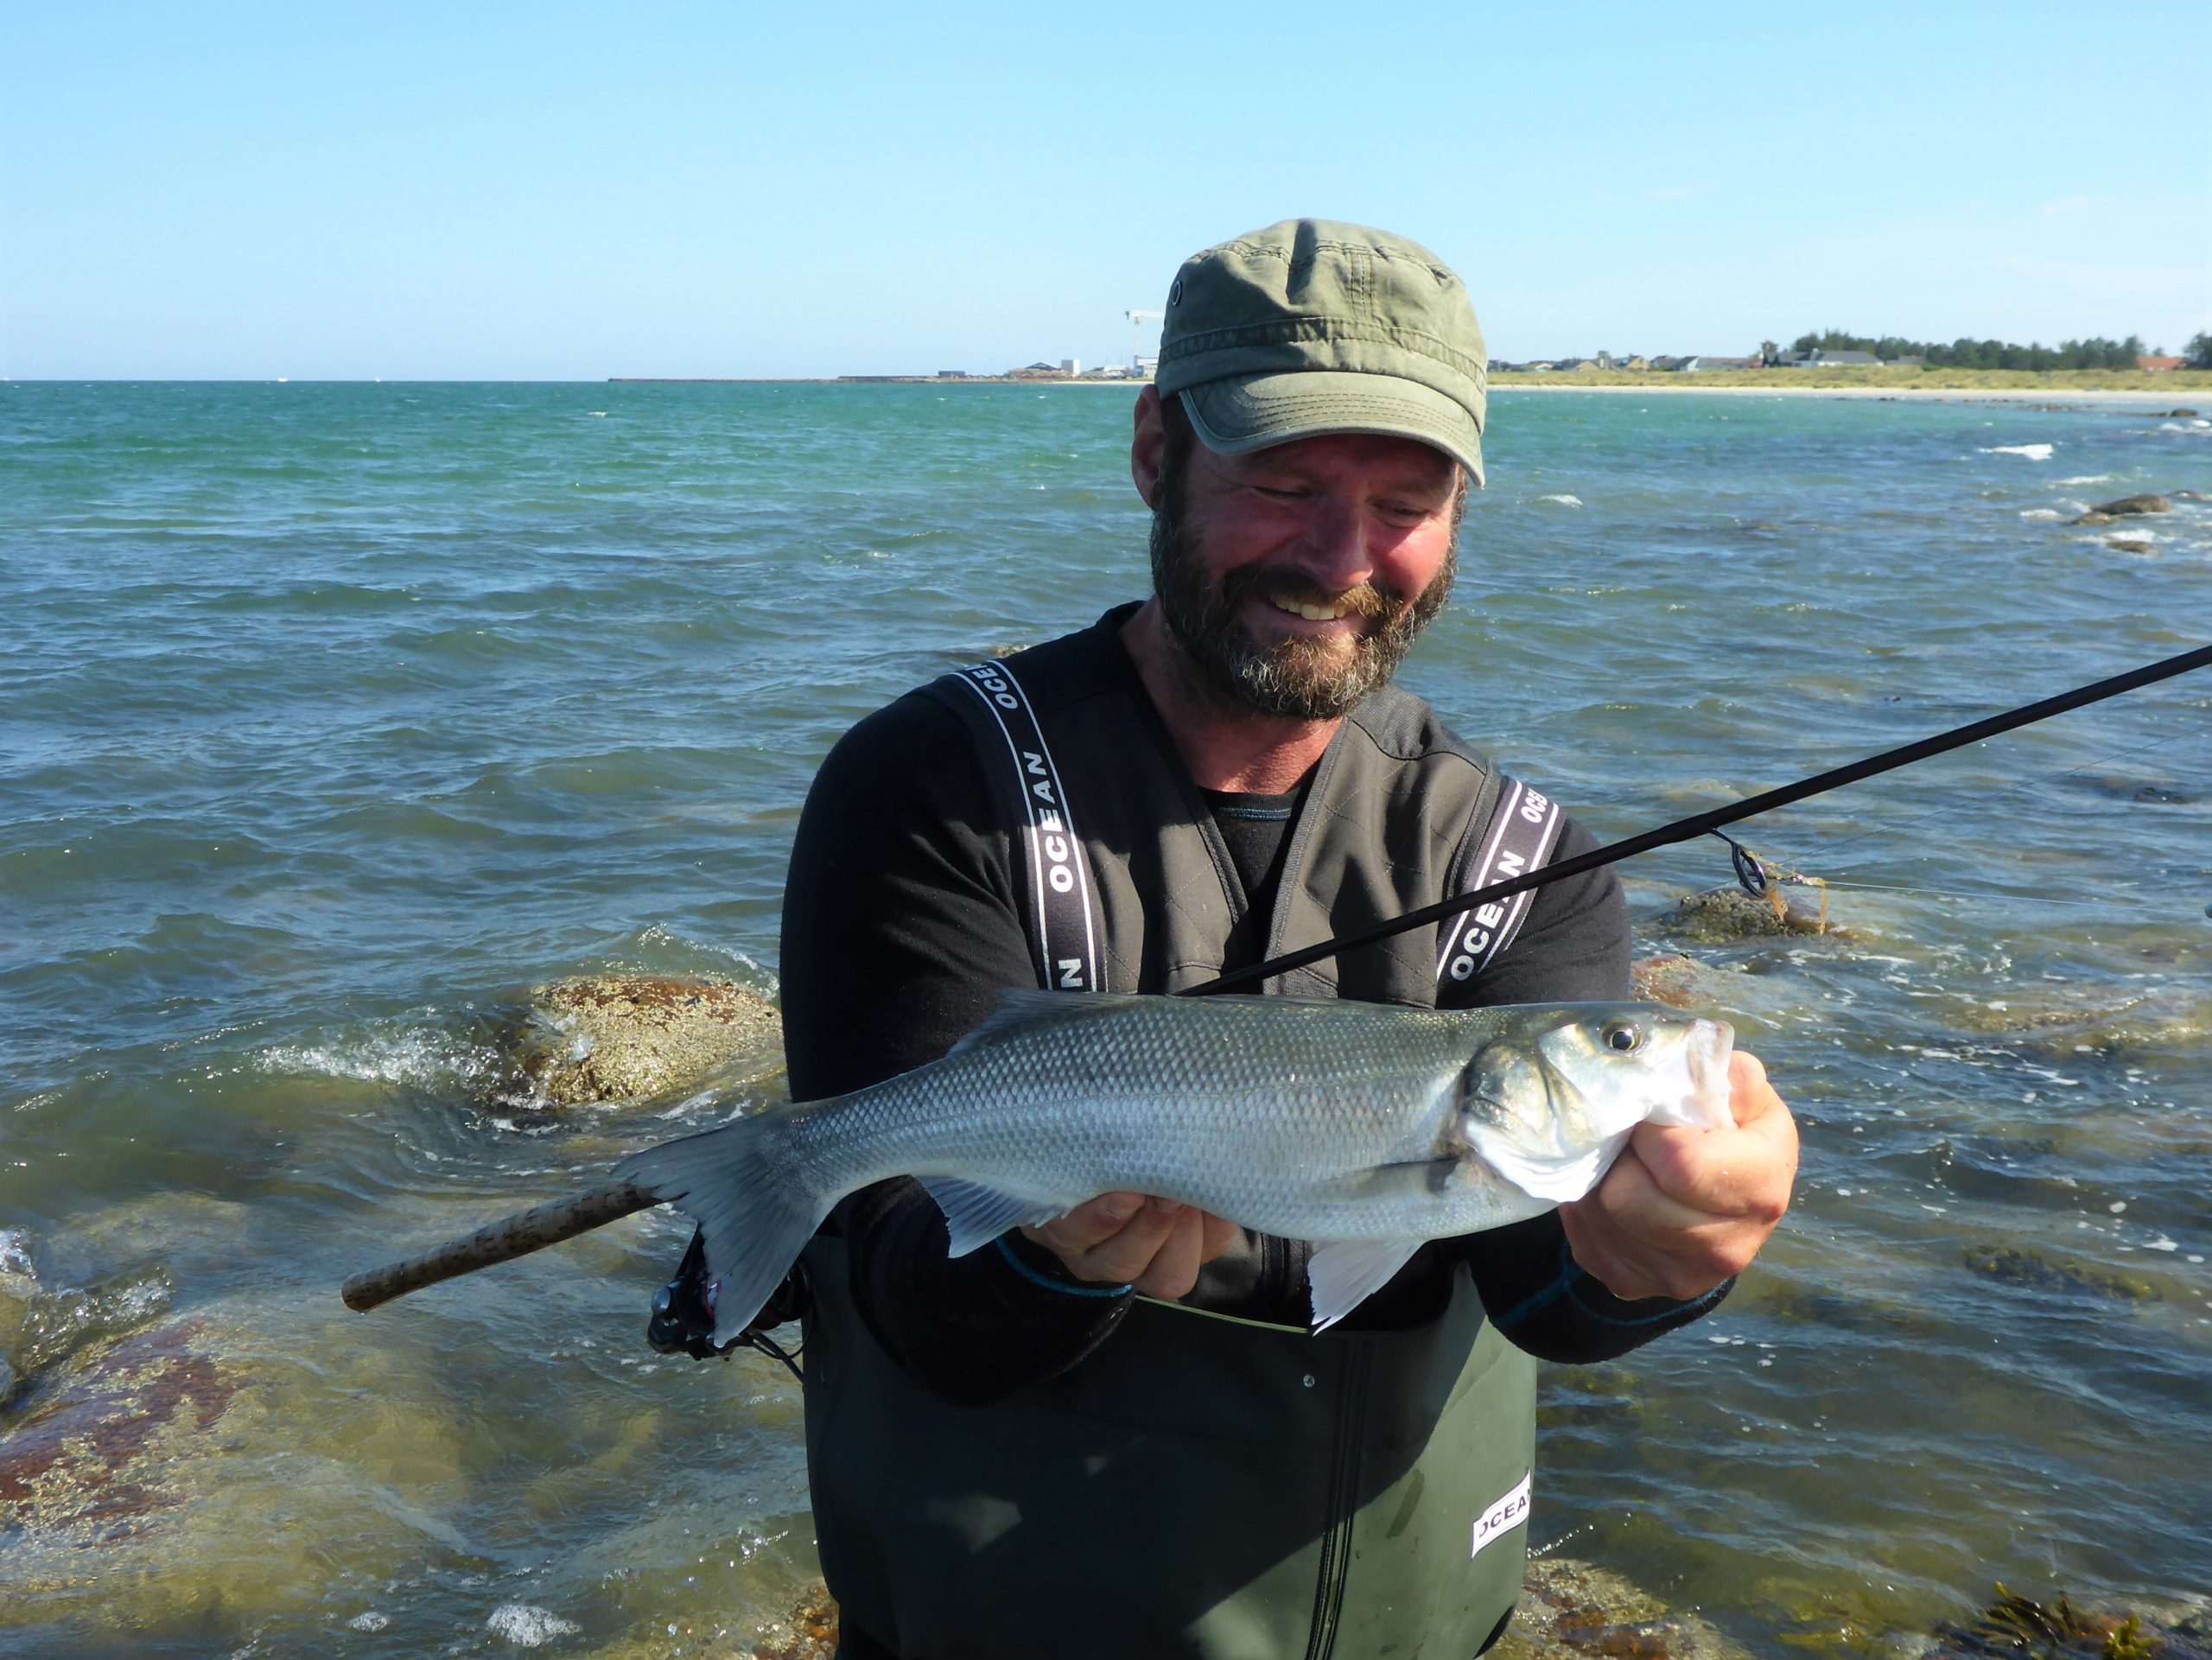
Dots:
{"x": 2011, "y": 789}
{"x": 1705, "y": 824}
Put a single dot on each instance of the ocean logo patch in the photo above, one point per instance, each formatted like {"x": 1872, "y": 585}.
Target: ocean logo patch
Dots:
{"x": 1501, "y": 1518}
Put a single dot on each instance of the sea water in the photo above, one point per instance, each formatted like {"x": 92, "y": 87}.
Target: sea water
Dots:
{"x": 331, "y": 714}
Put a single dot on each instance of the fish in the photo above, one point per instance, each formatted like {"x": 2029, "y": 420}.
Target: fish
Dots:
{"x": 1365, "y": 1128}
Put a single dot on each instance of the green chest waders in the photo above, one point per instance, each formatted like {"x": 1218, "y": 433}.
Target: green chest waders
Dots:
{"x": 1199, "y": 1484}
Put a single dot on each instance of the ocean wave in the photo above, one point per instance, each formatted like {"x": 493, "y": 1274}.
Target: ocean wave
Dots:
{"x": 420, "y": 1059}
{"x": 2033, "y": 452}
{"x": 2088, "y": 477}
{"x": 2049, "y": 514}
{"x": 527, "y": 1626}
{"x": 1564, "y": 501}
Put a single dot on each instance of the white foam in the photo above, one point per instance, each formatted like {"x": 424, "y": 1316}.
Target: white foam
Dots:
{"x": 2091, "y": 478}
{"x": 425, "y": 1059}
{"x": 1564, "y": 501}
{"x": 16, "y": 1255}
{"x": 371, "y": 1621}
{"x": 2033, "y": 452}
{"x": 2043, "y": 514}
{"x": 527, "y": 1626}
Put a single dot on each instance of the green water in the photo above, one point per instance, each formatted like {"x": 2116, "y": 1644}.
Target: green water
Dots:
{"x": 329, "y": 715}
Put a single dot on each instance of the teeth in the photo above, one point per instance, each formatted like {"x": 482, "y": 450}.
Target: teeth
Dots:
{"x": 1313, "y": 613}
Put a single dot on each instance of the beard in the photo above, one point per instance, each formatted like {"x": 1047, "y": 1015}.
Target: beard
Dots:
{"x": 1296, "y": 677}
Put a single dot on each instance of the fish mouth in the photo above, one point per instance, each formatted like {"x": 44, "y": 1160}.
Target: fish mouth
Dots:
{"x": 1708, "y": 1047}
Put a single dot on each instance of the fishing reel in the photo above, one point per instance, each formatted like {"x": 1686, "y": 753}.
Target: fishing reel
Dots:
{"x": 682, "y": 1318}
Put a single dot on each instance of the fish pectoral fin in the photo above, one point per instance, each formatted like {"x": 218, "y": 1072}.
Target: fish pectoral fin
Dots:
{"x": 1561, "y": 1180}
{"x": 974, "y": 1215}
{"x": 1343, "y": 1275}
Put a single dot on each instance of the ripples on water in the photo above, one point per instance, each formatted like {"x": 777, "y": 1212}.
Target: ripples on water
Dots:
{"x": 329, "y": 714}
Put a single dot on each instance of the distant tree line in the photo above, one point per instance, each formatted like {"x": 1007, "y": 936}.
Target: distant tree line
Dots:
{"x": 1962, "y": 353}
{"x": 2199, "y": 351}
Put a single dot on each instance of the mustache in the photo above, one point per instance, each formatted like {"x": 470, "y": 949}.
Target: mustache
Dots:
{"x": 1371, "y": 602}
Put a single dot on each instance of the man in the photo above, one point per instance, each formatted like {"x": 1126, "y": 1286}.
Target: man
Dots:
{"x": 1113, "y": 1435}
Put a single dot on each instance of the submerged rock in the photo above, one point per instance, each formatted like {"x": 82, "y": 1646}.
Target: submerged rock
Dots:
{"x": 2012, "y": 1265}
{"x": 2018, "y": 1626}
{"x": 2130, "y": 544}
{"x": 2104, "y": 512}
{"x": 1573, "y": 1608}
{"x": 95, "y": 1464}
{"x": 617, "y": 1037}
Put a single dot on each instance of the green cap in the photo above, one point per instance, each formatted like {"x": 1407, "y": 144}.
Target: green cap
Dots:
{"x": 1310, "y": 326}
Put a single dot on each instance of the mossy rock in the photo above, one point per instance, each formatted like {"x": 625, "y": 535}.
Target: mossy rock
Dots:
{"x": 93, "y": 1466}
{"x": 1571, "y": 1608}
{"x": 605, "y": 1037}
{"x": 2014, "y": 1265}
{"x": 1721, "y": 914}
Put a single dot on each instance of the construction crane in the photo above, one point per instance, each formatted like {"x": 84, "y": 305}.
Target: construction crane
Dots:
{"x": 1136, "y": 338}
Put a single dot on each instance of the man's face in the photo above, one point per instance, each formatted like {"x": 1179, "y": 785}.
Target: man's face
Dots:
{"x": 1296, "y": 578}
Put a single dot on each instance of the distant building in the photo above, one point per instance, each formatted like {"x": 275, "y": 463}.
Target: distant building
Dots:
{"x": 1667, "y": 366}
{"x": 952, "y": 375}
{"x": 1820, "y": 359}
{"x": 2161, "y": 366}
{"x": 1636, "y": 362}
{"x": 1692, "y": 365}
{"x": 1070, "y": 366}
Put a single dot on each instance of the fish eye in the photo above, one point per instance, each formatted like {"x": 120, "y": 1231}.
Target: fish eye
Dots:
{"x": 1622, "y": 1037}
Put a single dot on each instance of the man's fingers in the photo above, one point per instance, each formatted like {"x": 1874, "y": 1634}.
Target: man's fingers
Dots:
{"x": 1091, "y": 1223}
{"x": 1126, "y": 1255}
{"x": 1174, "y": 1267}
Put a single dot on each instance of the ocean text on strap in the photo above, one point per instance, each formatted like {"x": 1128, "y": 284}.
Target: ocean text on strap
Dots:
{"x": 1521, "y": 835}
{"x": 1066, "y": 931}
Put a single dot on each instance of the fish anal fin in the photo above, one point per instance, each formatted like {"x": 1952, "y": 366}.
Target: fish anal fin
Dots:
{"x": 974, "y": 1215}
{"x": 1344, "y": 1274}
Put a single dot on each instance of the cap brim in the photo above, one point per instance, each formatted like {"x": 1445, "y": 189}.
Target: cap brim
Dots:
{"x": 1239, "y": 414}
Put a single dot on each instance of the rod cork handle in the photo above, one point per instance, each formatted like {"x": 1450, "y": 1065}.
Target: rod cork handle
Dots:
{"x": 498, "y": 1242}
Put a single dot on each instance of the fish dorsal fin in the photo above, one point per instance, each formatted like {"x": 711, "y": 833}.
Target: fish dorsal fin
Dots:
{"x": 1343, "y": 1275}
{"x": 1025, "y": 1006}
{"x": 974, "y": 1215}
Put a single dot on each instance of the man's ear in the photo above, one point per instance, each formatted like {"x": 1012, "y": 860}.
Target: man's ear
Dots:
{"x": 1148, "y": 446}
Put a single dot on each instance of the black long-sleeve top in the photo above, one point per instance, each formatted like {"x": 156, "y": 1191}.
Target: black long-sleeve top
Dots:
{"x": 900, "y": 926}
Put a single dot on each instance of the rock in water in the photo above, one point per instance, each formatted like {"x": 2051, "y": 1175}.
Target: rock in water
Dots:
{"x": 2130, "y": 505}
{"x": 96, "y": 1466}
{"x": 1725, "y": 913}
{"x": 617, "y": 1037}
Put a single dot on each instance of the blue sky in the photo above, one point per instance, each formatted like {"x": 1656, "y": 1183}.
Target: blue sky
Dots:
{"x": 571, "y": 192}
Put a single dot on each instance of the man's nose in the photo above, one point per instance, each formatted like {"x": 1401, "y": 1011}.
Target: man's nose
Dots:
{"x": 1336, "y": 551}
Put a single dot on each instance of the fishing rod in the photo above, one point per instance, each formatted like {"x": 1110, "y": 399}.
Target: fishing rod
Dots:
{"x": 564, "y": 1218}
{"x": 1705, "y": 824}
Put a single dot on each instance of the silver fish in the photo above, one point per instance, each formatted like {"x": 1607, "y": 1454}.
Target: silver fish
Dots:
{"x": 1364, "y": 1128}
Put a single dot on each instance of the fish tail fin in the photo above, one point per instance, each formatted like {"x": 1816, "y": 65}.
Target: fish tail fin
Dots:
{"x": 746, "y": 1190}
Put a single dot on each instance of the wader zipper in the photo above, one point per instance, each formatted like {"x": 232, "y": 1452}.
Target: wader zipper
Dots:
{"x": 1343, "y": 1492}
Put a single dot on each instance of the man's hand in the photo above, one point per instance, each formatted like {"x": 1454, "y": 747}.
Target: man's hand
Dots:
{"x": 1682, "y": 1210}
{"x": 1155, "y": 1245}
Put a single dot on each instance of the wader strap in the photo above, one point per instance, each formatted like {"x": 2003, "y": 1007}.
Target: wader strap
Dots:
{"x": 1520, "y": 836}
{"x": 1062, "y": 923}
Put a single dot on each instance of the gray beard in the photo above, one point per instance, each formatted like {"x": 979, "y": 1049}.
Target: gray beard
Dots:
{"x": 1295, "y": 678}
